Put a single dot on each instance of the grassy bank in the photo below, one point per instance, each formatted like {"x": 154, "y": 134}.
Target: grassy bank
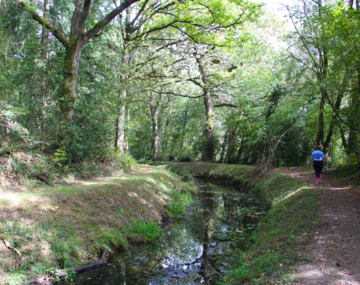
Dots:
{"x": 64, "y": 227}
{"x": 286, "y": 229}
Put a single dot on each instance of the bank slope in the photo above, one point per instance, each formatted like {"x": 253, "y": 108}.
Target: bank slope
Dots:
{"x": 64, "y": 227}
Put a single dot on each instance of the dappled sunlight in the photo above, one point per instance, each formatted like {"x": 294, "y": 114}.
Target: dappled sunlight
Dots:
{"x": 61, "y": 225}
{"x": 15, "y": 201}
{"x": 334, "y": 188}
{"x": 12, "y": 200}
{"x": 147, "y": 205}
{"x": 164, "y": 187}
{"x": 288, "y": 195}
{"x": 311, "y": 274}
{"x": 136, "y": 196}
{"x": 334, "y": 251}
{"x": 150, "y": 180}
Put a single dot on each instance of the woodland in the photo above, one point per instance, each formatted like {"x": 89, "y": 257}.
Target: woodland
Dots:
{"x": 180, "y": 80}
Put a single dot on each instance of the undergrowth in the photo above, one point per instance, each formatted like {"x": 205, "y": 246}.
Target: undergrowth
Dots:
{"x": 345, "y": 174}
{"x": 25, "y": 169}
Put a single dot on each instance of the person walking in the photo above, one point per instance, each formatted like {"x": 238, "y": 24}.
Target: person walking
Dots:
{"x": 318, "y": 160}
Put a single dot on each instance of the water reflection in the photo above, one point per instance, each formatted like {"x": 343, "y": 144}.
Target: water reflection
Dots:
{"x": 192, "y": 249}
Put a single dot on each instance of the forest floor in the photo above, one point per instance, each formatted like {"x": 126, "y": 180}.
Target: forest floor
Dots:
{"x": 334, "y": 252}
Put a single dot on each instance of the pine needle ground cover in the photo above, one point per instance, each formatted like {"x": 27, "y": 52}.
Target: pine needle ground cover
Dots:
{"x": 282, "y": 234}
{"x": 64, "y": 227}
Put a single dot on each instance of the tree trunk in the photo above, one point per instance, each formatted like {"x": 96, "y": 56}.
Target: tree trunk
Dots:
{"x": 210, "y": 115}
{"x": 354, "y": 119}
{"x": 126, "y": 141}
{"x": 164, "y": 137}
{"x": 357, "y": 112}
{"x": 209, "y": 129}
{"x": 326, "y": 144}
{"x": 343, "y": 139}
{"x": 45, "y": 51}
{"x": 156, "y": 139}
{"x": 320, "y": 136}
{"x": 120, "y": 123}
{"x": 45, "y": 46}
{"x": 231, "y": 149}
{"x": 223, "y": 148}
{"x": 68, "y": 96}
{"x": 79, "y": 35}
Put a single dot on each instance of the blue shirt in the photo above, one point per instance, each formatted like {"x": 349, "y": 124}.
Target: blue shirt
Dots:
{"x": 317, "y": 155}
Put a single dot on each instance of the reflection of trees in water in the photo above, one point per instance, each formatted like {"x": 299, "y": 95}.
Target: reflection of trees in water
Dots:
{"x": 206, "y": 268}
{"x": 184, "y": 241}
{"x": 231, "y": 206}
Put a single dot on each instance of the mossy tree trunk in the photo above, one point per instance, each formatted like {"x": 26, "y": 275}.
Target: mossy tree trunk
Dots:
{"x": 156, "y": 138}
{"x": 209, "y": 112}
{"x": 120, "y": 123}
{"x": 68, "y": 96}
{"x": 74, "y": 42}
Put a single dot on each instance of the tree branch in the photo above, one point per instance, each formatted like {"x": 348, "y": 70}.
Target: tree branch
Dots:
{"x": 108, "y": 18}
{"x": 84, "y": 14}
{"x": 195, "y": 82}
{"x": 225, "y": 105}
{"x": 75, "y": 18}
{"x": 42, "y": 21}
{"x": 176, "y": 94}
{"x": 138, "y": 14}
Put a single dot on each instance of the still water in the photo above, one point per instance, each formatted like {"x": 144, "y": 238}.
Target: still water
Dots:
{"x": 194, "y": 249}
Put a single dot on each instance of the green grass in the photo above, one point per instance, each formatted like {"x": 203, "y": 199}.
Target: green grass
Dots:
{"x": 179, "y": 201}
{"x": 286, "y": 229}
{"x": 143, "y": 231}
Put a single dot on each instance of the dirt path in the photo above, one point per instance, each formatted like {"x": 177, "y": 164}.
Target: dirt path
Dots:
{"x": 334, "y": 251}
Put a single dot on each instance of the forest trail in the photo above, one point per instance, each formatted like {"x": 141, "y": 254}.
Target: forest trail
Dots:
{"x": 334, "y": 250}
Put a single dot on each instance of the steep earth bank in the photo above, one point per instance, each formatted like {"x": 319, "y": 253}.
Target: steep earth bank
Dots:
{"x": 64, "y": 227}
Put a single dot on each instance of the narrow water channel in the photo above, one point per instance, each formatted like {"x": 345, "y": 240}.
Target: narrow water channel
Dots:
{"x": 194, "y": 249}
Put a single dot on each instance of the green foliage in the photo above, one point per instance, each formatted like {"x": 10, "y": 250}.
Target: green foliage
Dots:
{"x": 144, "y": 231}
{"x": 116, "y": 238}
{"x": 179, "y": 202}
{"x": 127, "y": 162}
{"x": 66, "y": 253}
{"x": 59, "y": 155}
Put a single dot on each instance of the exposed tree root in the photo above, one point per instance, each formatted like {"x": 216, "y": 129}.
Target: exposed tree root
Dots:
{"x": 7, "y": 244}
{"x": 41, "y": 178}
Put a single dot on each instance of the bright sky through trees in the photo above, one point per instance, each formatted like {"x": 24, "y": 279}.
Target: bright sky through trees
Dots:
{"x": 278, "y": 8}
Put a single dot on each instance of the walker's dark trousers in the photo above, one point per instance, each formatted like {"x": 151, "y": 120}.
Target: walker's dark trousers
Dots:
{"x": 318, "y": 165}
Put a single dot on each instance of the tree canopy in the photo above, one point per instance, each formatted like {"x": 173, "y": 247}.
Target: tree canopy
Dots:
{"x": 181, "y": 80}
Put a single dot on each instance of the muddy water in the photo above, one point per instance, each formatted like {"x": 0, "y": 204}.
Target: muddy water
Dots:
{"x": 193, "y": 249}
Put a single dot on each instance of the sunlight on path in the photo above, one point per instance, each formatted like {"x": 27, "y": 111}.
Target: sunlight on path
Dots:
{"x": 142, "y": 170}
{"x": 334, "y": 252}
